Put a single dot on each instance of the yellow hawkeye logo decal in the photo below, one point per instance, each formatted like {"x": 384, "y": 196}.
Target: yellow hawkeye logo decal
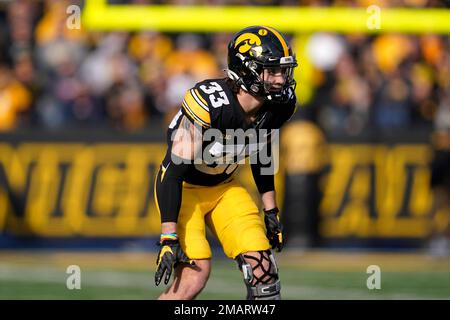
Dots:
{"x": 247, "y": 42}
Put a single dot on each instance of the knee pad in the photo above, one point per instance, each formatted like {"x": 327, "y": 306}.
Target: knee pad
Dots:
{"x": 265, "y": 286}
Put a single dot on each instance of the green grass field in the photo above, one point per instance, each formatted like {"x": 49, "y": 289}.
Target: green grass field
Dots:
{"x": 304, "y": 275}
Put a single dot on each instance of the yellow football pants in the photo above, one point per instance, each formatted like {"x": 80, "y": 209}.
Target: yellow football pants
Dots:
{"x": 231, "y": 215}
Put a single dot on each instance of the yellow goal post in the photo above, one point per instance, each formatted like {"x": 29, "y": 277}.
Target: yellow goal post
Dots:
{"x": 98, "y": 15}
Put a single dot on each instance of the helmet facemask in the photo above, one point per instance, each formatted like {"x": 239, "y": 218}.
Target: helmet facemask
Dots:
{"x": 278, "y": 92}
{"x": 254, "y": 77}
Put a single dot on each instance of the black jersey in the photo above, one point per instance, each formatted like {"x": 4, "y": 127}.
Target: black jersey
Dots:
{"x": 212, "y": 104}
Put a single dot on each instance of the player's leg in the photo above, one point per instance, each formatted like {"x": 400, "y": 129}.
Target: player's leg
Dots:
{"x": 189, "y": 281}
{"x": 239, "y": 226}
{"x": 260, "y": 273}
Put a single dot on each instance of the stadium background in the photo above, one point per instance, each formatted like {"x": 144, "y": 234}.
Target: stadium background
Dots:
{"x": 83, "y": 114}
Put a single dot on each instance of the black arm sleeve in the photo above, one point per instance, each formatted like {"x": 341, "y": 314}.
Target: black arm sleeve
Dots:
{"x": 169, "y": 187}
{"x": 263, "y": 173}
{"x": 264, "y": 183}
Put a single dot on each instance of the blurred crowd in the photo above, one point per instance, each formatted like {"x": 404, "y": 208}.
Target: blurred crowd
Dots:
{"x": 383, "y": 82}
{"x": 55, "y": 77}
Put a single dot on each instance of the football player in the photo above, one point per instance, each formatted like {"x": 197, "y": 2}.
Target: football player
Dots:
{"x": 191, "y": 193}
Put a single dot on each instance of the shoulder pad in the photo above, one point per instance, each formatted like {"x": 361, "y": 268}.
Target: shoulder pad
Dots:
{"x": 196, "y": 108}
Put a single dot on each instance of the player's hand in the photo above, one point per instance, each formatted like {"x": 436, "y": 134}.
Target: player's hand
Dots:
{"x": 274, "y": 229}
{"x": 169, "y": 256}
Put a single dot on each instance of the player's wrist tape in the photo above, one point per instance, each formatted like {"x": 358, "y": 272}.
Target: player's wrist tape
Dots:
{"x": 168, "y": 236}
{"x": 271, "y": 211}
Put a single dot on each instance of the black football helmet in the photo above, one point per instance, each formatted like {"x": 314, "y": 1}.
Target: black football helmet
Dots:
{"x": 254, "y": 49}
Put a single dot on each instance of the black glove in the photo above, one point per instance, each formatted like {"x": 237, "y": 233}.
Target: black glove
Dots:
{"x": 274, "y": 228}
{"x": 170, "y": 254}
